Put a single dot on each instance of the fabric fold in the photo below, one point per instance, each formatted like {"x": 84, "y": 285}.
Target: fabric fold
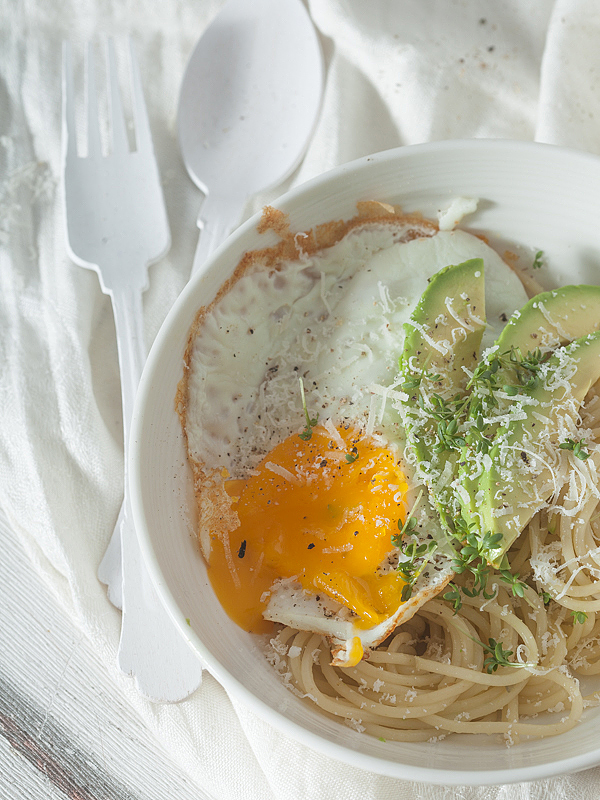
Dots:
{"x": 397, "y": 74}
{"x": 569, "y": 102}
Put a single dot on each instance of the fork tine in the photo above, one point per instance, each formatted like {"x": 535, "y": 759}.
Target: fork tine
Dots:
{"x": 119, "y": 139}
{"x": 94, "y": 145}
{"x": 143, "y": 136}
{"x": 68, "y": 106}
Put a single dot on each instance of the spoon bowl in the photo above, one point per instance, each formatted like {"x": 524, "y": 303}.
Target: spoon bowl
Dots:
{"x": 247, "y": 108}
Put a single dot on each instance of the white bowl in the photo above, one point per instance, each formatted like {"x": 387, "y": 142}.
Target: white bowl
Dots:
{"x": 532, "y": 197}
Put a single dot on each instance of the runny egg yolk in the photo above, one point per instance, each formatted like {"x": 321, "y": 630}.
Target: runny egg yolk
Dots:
{"x": 321, "y": 511}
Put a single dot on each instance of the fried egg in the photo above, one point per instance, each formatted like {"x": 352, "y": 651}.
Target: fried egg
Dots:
{"x": 298, "y": 454}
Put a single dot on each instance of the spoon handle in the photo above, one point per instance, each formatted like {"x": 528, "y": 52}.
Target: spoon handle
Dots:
{"x": 218, "y": 216}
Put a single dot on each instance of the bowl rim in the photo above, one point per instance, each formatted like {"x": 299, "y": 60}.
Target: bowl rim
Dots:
{"x": 339, "y": 752}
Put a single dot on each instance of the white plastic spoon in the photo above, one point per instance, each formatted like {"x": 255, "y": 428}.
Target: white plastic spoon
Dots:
{"x": 248, "y": 106}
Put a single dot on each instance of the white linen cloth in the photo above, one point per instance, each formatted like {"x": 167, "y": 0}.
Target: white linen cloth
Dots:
{"x": 398, "y": 72}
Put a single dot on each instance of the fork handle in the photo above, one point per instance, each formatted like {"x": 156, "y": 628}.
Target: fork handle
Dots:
{"x": 151, "y": 647}
{"x": 127, "y": 310}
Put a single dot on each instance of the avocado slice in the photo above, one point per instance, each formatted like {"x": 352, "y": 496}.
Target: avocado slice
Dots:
{"x": 567, "y": 314}
{"x": 551, "y": 319}
{"x": 447, "y": 325}
{"x": 516, "y": 479}
{"x": 442, "y": 338}
{"x": 548, "y": 320}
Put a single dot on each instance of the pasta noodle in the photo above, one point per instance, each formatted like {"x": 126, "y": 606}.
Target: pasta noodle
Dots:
{"x": 428, "y": 679}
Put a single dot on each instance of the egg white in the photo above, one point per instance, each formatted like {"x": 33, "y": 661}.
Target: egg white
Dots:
{"x": 336, "y": 319}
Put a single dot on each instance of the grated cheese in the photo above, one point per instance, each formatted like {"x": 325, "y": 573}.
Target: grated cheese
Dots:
{"x": 333, "y": 432}
{"x": 282, "y": 472}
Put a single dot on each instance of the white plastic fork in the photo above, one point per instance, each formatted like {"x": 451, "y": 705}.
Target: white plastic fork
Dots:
{"x": 116, "y": 224}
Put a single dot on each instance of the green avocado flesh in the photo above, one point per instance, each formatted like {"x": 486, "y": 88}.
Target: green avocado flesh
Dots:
{"x": 447, "y": 325}
{"x": 490, "y": 467}
{"x": 443, "y": 338}
{"x": 516, "y": 481}
{"x": 551, "y": 319}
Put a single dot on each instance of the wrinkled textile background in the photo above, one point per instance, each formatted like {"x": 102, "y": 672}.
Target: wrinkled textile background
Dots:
{"x": 399, "y": 72}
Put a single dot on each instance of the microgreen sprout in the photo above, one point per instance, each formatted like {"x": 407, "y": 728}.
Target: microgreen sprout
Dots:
{"x": 525, "y": 368}
{"x": 497, "y": 656}
{"x": 546, "y": 597}
{"x": 462, "y": 528}
{"x": 476, "y": 436}
{"x": 409, "y": 524}
{"x": 310, "y": 423}
{"x": 538, "y": 260}
{"x": 478, "y": 548}
{"x": 448, "y": 438}
{"x": 406, "y": 592}
{"x": 480, "y": 573}
{"x": 416, "y": 557}
{"x": 473, "y": 557}
{"x": 516, "y": 586}
{"x": 453, "y": 596}
{"x": 415, "y": 381}
{"x": 443, "y": 410}
{"x": 579, "y": 617}
{"x": 494, "y": 375}
{"x": 352, "y": 455}
{"x": 485, "y": 371}
{"x": 409, "y": 568}
{"x": 578, "y": 448}
{"x": 407, "y": 527}
{"x": 411, "y": 383}
{"x": 446, "y": 417}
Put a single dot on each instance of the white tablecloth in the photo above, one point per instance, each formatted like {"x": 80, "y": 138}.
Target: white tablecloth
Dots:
{"x": 398, "y": 72}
